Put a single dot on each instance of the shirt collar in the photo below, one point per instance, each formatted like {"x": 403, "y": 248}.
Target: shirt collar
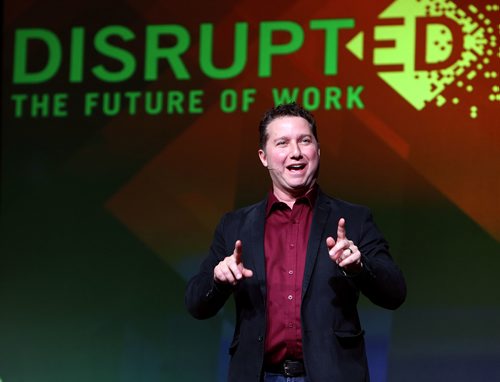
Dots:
{"x": 274, "y": 204}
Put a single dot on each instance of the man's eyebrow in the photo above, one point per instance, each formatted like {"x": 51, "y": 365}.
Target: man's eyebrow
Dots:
{"x": 287, "y": 137}
{"x": 282, "y": 137}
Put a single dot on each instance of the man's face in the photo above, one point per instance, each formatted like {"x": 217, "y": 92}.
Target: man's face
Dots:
{"x": 291, "y": 155}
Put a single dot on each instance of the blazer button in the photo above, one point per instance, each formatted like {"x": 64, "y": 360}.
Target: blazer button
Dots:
{"x": 260, "y": 339}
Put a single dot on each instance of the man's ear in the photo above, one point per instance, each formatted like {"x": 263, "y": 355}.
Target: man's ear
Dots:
{"x": 263, "y": 157}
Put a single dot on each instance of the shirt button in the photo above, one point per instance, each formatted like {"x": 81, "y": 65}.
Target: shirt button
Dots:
{"x": 290, "y": 272}
{"x": 260, "y": 338}
{"x": 292, "y": 245}
{"x": 290, "y": 296}
{"x": 290, "y": 324}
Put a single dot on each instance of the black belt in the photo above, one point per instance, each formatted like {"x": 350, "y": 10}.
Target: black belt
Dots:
{"x": 287, "y": 368}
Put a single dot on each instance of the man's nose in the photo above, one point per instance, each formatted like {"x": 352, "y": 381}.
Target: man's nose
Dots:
{"x": 295, "y": 150}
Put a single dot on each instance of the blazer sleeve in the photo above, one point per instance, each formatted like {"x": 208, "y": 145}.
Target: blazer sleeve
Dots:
{"x": 381, "y": 280}
{"x": 204, "y": 297}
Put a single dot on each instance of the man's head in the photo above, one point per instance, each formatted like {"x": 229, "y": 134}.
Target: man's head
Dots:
{"x": 290, "y": 150}
{"x": 285, "y": 110}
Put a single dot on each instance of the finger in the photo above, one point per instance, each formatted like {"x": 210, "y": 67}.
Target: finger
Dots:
{"x": 219, "y": 276}
{"x": 238, "y": 251}
{"x": 246, "y": 272}
{"x": 349, "y": 257}
{"x": 346, "y": 252}
{"x": 228, "y": 275}
{"x": 350, "y": 261}
{"x": 337, "y": 252}
{"x": 234, "y": 268}
{"x": 334, "y": 249}
{"x": 222, "y": 274}
{"x": 341, "y": 230}
{"x": 330, "y": 242}
{"x": 340, "y": 255}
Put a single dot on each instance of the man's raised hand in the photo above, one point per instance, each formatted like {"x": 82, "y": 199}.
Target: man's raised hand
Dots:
{"x": 343, "y": 251}
{"x": 231, "y": 269}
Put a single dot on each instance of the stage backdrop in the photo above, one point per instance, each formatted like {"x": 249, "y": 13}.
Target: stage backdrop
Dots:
{"x": 130, "y": 127}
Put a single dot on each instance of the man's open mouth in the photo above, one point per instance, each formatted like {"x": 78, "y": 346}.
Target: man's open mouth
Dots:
{"x": 296, "y": 167}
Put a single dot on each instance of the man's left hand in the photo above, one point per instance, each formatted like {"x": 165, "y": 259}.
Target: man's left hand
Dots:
{"x": 343, "y": 251}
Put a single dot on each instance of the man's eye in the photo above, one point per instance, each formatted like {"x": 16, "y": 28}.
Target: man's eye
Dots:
{"x": 280, "y": 143}
{"x": 306, "y": 140}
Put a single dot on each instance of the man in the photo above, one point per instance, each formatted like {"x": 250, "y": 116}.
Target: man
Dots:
{"x": 295, "y": 264}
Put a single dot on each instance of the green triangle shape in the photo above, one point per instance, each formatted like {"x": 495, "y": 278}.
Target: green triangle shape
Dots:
{"x": 356, "y": 46}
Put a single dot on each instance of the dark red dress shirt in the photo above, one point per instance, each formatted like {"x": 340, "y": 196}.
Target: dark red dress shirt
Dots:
{"x": 285, "y": 244}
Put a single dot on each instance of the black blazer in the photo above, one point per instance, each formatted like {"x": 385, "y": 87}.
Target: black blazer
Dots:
{"x": 333, "y": 341}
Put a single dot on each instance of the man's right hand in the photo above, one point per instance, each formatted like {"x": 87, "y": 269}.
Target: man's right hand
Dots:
{"x": 231, "y": 269}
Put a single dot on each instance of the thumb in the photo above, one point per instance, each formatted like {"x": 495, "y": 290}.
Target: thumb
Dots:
{"x": 330, "y": 242}
{"x": 247, "y": 272}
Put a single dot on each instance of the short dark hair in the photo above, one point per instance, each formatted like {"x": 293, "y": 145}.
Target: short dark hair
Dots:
{"x": 291, "y": 109}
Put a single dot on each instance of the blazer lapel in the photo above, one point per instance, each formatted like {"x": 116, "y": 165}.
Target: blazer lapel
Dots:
{"x": 255, "y": 246}
{"x": 320, "y": 217}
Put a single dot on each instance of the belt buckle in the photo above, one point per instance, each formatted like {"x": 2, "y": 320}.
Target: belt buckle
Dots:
{"x": 293, "y": 368}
